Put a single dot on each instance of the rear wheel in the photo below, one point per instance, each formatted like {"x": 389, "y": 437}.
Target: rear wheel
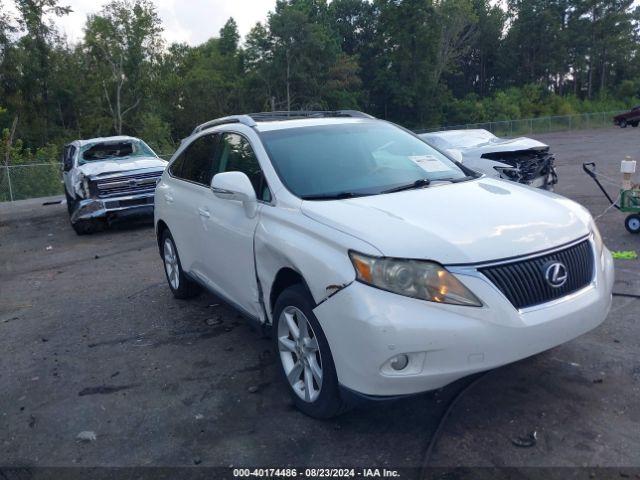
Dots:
{"x": 623, "y": 124}
{"x": 181, "y": 286}
{"x": 306, "y": 363}
{"x": 632, "y": 223}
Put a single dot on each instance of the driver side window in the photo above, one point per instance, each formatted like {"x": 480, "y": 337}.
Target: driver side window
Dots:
{"x": 237, "y": 155}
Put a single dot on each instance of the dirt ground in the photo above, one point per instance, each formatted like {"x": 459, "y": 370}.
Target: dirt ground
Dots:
{"x": 93, "y": 341}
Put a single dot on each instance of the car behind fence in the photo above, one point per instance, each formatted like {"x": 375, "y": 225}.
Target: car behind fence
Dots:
{"x": 20, "y": 182}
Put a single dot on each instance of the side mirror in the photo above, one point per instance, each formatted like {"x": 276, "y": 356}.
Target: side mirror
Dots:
{"x": 236, "y": 186}
{"x": 456, "y": 155}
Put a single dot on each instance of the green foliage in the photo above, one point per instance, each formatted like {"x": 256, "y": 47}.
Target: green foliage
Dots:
{"x": 157, "y": 134}
{"x": 123, "y": 43}
{"x": 31, "y": 173}
{"x": 229, "y": 38}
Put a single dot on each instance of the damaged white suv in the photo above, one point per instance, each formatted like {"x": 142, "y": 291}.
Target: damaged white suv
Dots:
{"x": 108, "y": 178}
{"x": 384, "y": 267}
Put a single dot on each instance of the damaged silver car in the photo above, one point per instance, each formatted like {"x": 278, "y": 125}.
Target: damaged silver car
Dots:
{"x": 109, "y": 178}
{"x": 521, "y": 160}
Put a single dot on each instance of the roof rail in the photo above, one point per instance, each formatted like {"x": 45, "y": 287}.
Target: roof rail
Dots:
{"x": 298, "y": 114}
{"x": 244, "y": 119}
{"x": 251, "y": 119}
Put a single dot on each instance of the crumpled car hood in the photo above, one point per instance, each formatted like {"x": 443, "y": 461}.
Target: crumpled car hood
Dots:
{"x": 506, "y": 145}
{"x": 107, "y": 167}
{"x": 482, "y": 141}
{"x": 469, "y": 222}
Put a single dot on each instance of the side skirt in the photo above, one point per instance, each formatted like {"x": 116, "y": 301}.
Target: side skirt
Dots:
{"x": 256, "y": 324}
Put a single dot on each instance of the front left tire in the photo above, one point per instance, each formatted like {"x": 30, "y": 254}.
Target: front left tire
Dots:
{"x": 88, "y": 227}
{"x": 71, "y": 202}
{"x": 306, "y": 363}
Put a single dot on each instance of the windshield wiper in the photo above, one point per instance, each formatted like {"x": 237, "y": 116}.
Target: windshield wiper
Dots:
{"x": 423, "y": 182}
{"x": 334, "y": 196}
{"x": 458, "y": 180}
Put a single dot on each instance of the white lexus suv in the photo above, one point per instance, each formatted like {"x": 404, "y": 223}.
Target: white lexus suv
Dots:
{"x": 383, "y": 267}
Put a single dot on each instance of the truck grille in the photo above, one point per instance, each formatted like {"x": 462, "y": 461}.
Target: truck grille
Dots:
{"x": 128, "y": 185}
{"x": 524, "y": 283}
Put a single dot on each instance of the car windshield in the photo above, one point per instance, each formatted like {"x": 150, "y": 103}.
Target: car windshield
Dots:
{"x": 114, "y": 150}
{"x": 346, "y": 160}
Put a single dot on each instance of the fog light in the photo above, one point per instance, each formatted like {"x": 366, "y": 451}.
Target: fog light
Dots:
{"x": 400, "y": 362}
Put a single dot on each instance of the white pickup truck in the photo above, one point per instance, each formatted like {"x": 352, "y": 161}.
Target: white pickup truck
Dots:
{"x": 108, "y": 178}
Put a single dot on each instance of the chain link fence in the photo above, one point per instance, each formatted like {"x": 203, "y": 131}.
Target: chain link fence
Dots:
{"x": 32, "y": 180}
{"x": 20, "y": 182}
{"x": 532, "y": 126}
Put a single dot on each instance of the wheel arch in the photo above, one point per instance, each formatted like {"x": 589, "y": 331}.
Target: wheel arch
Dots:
{"x": 285, "y": 278}
{"x": 161, "y": 227}
{"x": 300, "y": 250}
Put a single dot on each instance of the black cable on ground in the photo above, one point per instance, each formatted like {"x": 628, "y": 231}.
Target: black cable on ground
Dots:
{"x": 438, "y": 433}
{"x": 626, "y": 295}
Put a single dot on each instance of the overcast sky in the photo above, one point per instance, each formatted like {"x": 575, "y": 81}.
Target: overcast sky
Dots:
{"x": 191, "y": 21}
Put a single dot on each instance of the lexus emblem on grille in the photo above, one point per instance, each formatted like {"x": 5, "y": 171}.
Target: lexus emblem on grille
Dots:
{"x": 556, "y": 274}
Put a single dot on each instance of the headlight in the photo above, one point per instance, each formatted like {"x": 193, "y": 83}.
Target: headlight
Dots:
{"x": 413, "y": 278}
{"x": 85, "y": 188}
{"x": 510, "y": 173}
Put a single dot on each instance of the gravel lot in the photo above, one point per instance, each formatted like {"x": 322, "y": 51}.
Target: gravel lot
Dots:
{"x": 92, "y": 341}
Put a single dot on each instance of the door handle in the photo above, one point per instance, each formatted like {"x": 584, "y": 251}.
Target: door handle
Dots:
{"x": 204, "y": 213}
{"x": 168, "y": 198}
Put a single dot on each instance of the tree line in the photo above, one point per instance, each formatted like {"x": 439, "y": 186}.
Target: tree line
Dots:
{"x": 420, "y": 63}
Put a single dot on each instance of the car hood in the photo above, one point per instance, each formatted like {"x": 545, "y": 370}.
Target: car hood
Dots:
{"x": 469, "y": 222}
{"x": 108, "y": 167}
{"x": 505, "y": 145}
{"x": 481, "y": 141}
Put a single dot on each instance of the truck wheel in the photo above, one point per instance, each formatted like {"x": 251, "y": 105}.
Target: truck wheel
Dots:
{"x": 634, "y": 124}
{"x": 181, "y": 286}
{"x": 88, "y": 227}
{"x": 623, "y": 124}
{"x": 306, "y": 363}
{"x": 632, "y": 223}
{"x": 71, "y": 203}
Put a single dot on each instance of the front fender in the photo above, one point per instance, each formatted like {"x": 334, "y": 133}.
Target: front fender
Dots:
{"x": 287, "y": 239}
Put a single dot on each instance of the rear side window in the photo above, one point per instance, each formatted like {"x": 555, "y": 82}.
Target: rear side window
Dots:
{"x": 196, "y": 163}
{"x": 236, "y": 155}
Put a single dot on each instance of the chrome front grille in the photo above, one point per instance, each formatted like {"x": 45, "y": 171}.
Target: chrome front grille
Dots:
{"x": 525, "y": 282}
{"x": 128, "y": 185}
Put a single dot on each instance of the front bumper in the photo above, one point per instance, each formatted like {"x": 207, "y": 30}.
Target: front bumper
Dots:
{"x": 367, "y": 327}
{"x": 94, "y": 208}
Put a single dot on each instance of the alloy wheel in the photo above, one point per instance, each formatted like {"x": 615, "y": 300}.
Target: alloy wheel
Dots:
{"x": 171, "y": 264}
{"x": 300, "y": 354}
